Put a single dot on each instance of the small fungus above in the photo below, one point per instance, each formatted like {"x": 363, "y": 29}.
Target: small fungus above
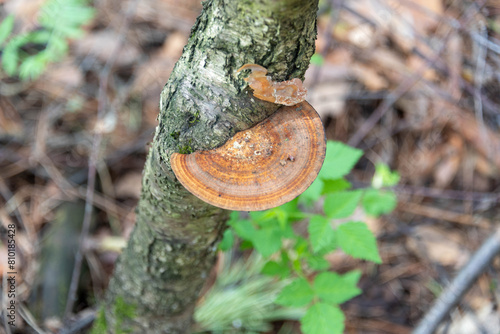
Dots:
{"x": 259, "y": 168}
{"x": 288, "y": 93}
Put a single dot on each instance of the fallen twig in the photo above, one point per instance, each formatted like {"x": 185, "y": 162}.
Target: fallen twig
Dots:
{"x": 465, "y": 278}
{"x": 454, "y": 217}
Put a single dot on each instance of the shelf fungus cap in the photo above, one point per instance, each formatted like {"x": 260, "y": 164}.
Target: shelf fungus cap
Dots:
{"x": 259, "y": 168}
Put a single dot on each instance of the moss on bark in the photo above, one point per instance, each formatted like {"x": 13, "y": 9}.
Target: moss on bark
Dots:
{"x": 173, "y": 246}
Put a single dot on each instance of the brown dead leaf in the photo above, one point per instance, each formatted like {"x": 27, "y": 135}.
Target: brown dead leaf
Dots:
{"x": 484, "y": 166}
{"x": 481, "y": 137}
{"x": 103, "y": 44}
{"x": 488, "y": 316}
{"x": 172, "y": 48}
{"x": 10, "y": 121}
{"x": 329, "y": 98}
{"x": 426, "y": 14}
{"x": 59, "y": 79}
{"x": 369, "y": 77}
{"x": 452, "y": 157}
{"x": 438, "y": 245}
{"x": 390, "y": 63}
{"x": 152, "y": 75}
{"x": 129, "y": 185}
{"x": 25, "y": 12}
{"x": 417, "y": 63}
{"x": 362, "y": 36}
{"x": 168, "y": 14}
{"x": 446, "y": 171}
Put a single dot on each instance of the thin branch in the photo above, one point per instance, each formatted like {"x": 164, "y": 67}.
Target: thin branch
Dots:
{"x": 459, "y": 286}
{"x": 480, "y": 53}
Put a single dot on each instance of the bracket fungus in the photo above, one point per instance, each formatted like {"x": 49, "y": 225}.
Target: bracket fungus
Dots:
{"x": 259, "y": 168}
{"x": 288, "y": 93}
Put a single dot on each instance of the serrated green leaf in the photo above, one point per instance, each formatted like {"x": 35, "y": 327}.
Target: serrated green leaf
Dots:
{"x": 358, "y": 241}
{"x": 352, "y": 277}
{"x": 331, "y": 186}
{"x": 10, "y": 59}
{"x": 313, "y": 193}
{"x": 33, "y": 66}
{"x": 339, "y": 160}
{"x": 227, "y": 240}
{"x": 322, "y": 318}
{"x": 378, "y": 202}
{"x": 267, "y": 241}
{"x": 244, "y": 229}
{"x": 286, "y": 213}
{"x": 65, "y": 17}
{"x": 273, "y": 268}
{"x": 57, "y": 48}
{"x": 317, "y": 262}
{"x": 6, "y": 28}
{"x": 342, "y": 203}
{"x": 296, "y": 294}
{"x": 336, "y": 289}
{"x": 321, "y": 233}
{"x": 39, "y": 36}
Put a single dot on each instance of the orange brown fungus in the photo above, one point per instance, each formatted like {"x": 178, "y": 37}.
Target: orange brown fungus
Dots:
{"x": 288, "y": 93}
{"x": 259, "y": 168}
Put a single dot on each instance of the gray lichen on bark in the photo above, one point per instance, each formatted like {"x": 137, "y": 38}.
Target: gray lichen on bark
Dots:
{"x": 173, "y": 246}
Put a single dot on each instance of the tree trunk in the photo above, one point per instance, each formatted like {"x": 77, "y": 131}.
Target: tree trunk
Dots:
{"x": 174, "y": 244}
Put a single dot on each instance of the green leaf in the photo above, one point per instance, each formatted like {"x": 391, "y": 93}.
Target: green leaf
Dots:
{"x": 378, "y": 202}
{"x": 317, "y": 262}
{"x": 33, "y": 66}
{"x": 261, "y": 217}
{"x": 296, "y": 294}
{"x": 336, "y": 289}
{"x": 313, "y": 193}
{"x": 286, "y": 213}
{"x": 227, "y": 240}
{"x": 352, "y": 276}
{"x": 342, "y": 203}
{"x": 267, "y": 241}
{"x": 10, "y": 58}
{"x": 322, "y": 318}
{"x": 317, "y": 59}
{"x": 339, "y": 160}
{"x": 246, "y": 244}
{"x": 358, "y": 241}
{"x": 6, "y": 28}
{"x": 384, "y": 177}
{"x": 39, "y": 36}
{"x": 331, "y": 186}
{"x": 273, "y": 268}
{"x": 244, "y": 229}
{"x": 321, "y": 233}
{"x": 234, "y": 217}
{"x": 10, "y": 53}
{"x": 66, "y": 17}
{"x": 301, "y": 246}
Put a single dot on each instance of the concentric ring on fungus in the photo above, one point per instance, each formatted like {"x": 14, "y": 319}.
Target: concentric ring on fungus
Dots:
{"x": 259, "y": 168}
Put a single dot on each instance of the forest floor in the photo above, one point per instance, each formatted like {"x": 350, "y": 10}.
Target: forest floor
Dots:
{"x": 414, "y": 84}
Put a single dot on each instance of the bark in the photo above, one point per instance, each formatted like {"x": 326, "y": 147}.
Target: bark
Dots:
{"x": 173, "y": 246}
